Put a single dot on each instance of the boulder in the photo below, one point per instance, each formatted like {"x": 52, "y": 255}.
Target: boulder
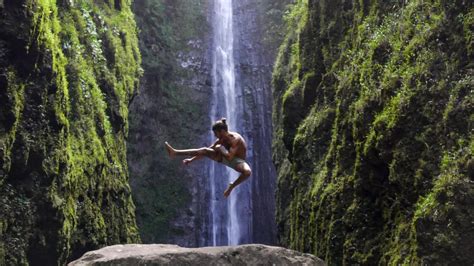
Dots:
{"x": 159, "y": 254}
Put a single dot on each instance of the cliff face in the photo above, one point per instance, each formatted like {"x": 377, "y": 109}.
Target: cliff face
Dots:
{"x": 373, "y": 139}
{"x": 255, "y": 37}
{"x": 68, "y": 72}
{"x": 173, "y": 106}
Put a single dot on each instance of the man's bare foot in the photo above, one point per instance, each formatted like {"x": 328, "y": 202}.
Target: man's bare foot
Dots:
{"x": 228, "y": 190}
{"x": 171, "y": 151}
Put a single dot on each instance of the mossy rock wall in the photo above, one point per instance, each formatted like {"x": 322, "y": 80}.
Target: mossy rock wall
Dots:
{"x": 373, "y": 143}
{"x": 69, "y": 70}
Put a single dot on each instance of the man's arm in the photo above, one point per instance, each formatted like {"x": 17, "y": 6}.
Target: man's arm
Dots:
{"x": 229, "y": 155}
{"x": 215, "y": 144}
{"x": 195, "y": 158}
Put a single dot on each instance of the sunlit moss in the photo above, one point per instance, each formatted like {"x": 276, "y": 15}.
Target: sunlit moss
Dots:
{"x": 90, "y": 51}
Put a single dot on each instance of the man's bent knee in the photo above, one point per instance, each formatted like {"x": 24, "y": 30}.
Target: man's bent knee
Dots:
{"x": 247, "y": 172}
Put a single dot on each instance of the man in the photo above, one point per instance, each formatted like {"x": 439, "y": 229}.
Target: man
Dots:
{"x": 229, "y": 149}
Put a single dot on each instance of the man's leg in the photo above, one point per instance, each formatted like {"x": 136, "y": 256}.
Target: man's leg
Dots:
{"x": 245, "y": 172}
{"x": 204, "y": 151}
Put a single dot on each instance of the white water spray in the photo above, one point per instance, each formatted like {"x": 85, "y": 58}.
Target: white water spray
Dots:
{"x": 225, "y": 217}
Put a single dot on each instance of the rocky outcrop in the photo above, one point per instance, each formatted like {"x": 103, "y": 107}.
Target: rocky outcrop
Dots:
{"x": 68, "y": 71}
{"x": 373, "y": 140}
{"x": 157, "y": 254}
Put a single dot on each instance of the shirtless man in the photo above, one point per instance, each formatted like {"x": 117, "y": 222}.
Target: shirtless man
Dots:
{"x": 229, "y": 149}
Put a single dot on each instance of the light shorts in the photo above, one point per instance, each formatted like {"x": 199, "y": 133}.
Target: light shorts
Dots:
{"x": 232, "y": 163}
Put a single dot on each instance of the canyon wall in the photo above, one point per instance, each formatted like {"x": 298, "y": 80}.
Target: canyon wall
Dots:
{"x": 69, "y": 70}
{"x": 373, "y": 141}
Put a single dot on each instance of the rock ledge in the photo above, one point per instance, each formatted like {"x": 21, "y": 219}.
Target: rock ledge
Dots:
{"x": 159, "y": 254}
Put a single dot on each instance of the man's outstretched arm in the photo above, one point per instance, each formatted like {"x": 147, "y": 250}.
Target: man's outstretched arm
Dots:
{"x": 192, "y": 159}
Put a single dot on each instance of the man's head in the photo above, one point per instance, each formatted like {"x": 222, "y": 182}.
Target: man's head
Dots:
{"x": 220, "y": 128}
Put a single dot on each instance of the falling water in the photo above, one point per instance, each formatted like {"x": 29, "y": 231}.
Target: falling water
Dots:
{"x": 230, "y": 222}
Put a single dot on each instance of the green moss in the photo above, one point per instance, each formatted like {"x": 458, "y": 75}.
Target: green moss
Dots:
{"x": 370, "y": 150}
{"x": 86, "y": 70}
{"x": 15, "y": 100}
{"x": 3, "y": 226}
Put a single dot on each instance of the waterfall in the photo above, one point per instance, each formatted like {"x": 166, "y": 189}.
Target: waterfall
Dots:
{"x": 230, "y": 219}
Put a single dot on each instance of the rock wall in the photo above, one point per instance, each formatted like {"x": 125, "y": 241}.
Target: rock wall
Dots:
{"x": 373, "y": 141}
{"x": 68, "y": 71}
{"x": 254, "y": 59}
{"x": 173, "y": 105}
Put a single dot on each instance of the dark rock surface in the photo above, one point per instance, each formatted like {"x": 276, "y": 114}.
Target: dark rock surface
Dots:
{"x": 172, "y": 106}
{"x": 254, "y": 63}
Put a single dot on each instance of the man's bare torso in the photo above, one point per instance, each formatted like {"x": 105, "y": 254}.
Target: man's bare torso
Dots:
{"x": 236, "y": 139}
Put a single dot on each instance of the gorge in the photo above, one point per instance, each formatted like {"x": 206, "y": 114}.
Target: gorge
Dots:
{"x": 358, "y": 117}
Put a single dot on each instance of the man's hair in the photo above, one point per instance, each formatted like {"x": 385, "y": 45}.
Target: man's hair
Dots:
{"x": 219, "y": 125}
